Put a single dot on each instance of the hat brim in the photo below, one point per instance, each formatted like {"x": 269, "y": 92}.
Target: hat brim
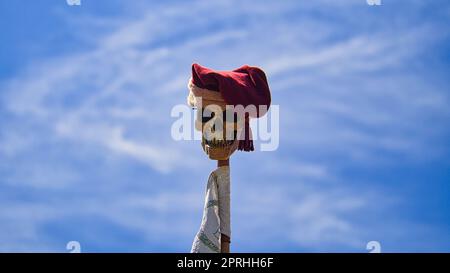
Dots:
{"x": 208, "y": 97}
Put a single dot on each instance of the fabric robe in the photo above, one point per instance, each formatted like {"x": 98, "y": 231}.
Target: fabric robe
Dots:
{"x": 216, "y": 213}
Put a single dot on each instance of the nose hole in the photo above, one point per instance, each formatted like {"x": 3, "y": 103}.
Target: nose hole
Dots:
{"x": 213, "y": 129}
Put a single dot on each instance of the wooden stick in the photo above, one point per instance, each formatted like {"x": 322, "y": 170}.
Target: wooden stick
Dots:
{"x": 224, "y": 239}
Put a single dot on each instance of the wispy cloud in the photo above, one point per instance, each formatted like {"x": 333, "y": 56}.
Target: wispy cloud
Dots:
{"x": 350, "y": 95}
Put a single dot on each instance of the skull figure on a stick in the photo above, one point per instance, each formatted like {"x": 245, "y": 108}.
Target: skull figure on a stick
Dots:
{"x": 225, "y": 102}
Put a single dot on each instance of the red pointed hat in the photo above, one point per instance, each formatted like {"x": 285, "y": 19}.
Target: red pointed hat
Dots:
{"x": 246, "y": 85}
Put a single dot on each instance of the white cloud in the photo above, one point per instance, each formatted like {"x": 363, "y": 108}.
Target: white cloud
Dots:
{"x": 340, "y": 93}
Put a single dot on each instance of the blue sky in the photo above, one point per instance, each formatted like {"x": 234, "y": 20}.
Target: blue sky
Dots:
{"x": 85, "y": 148}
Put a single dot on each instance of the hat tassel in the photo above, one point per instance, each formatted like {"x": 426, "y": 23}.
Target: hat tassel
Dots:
{"x": 247, "y": 143}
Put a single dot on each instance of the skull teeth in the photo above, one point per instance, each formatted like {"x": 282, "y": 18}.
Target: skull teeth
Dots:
{"x": 218, "y": 143}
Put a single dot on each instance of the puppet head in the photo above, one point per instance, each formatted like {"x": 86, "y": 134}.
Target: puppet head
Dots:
{"x": 217, "y": 95}
{"x": 219, "y": 124}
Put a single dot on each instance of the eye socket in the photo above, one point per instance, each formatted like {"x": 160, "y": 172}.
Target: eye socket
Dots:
{"x": 207, "y": 115}
{"x": 227, "y": 116}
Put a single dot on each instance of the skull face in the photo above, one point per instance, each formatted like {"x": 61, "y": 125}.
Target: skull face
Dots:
{"x": 219, "y": 125}
{"x": 220, "y": 129}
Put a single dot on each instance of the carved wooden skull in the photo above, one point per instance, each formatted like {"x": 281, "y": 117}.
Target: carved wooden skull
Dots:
{"x": 219, "y": 124}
